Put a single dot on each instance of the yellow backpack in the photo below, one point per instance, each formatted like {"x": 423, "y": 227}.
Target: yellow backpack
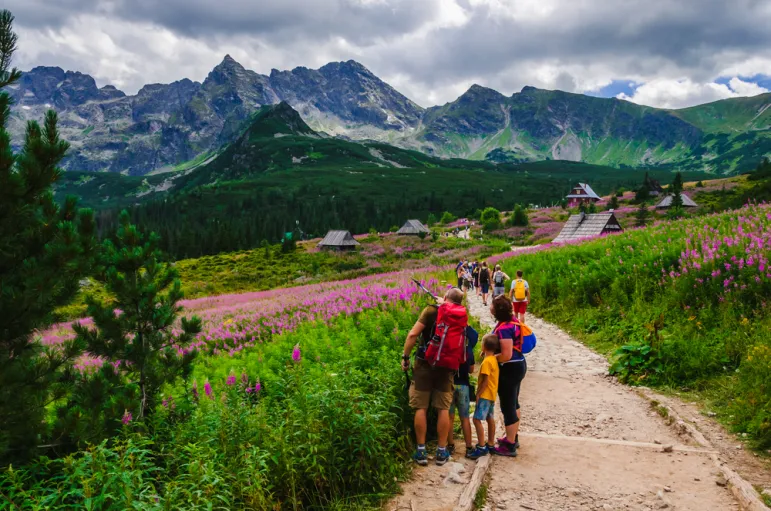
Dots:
{"x": 519, "y": 290}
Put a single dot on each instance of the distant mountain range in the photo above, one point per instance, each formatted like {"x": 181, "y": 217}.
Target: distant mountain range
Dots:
{"x": 180, "y": 125}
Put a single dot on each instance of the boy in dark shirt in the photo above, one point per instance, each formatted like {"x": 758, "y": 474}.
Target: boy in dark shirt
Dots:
{"x": 461, "y": 399}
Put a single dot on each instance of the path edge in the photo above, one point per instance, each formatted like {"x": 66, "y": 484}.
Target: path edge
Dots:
{"x": 743, "y": 491}
{"x": 466, "y": 501}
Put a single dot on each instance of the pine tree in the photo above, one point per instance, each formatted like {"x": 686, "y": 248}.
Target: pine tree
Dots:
{"x": 519, "y": 217}
{"x": 641, "y": 218}
{"x": 136, "y": 330}
{"x": 44, "y": 252}
{"x": 676, "y": 189}
{"x": 431, "y": 220}
{"x": 613, "y": 203}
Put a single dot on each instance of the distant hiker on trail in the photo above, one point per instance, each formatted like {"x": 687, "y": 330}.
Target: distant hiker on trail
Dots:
{"x": 458, "y": 269}
{"x": 487, "y": 387}
{"x": 461, "y": 400}
{"x": 520, "y": 296}
{"x": 442, "y": 329}
{"x": 484, "y": 281}
{"x": 513, "y": 369}
{"x": 499, "y": 281}
{"x": 475, "y": 274}
{"x": 467, "y": 279}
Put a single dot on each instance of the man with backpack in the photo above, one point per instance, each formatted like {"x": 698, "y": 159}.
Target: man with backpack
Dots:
{"x": 441, "y": 329}
{"x": 499, "y": 282}
{"x": 520, "y": 296}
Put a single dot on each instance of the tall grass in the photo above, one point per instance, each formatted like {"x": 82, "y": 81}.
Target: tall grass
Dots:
{"x": 681, "y": 303}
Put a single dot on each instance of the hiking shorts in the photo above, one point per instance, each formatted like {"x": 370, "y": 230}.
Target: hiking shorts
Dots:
{"x": 509, "y": 383}
{"x": 498, "y": 291}
{"x": 485, "y": 287}
{"x": 485, "y": 410}
{"x": 461, "y": 401}
{"x": 519, "y": 307}
{"x": 431, "y": 385}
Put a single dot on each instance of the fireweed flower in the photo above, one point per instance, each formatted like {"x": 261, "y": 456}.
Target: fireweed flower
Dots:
{"x": 296, "y": 355}
{"x": 126, "y": 417}
{"x": 207, "y": 389}
{"x": 195, "y": 390}
{"x": 231, "y": 380}
{"x": 257, "y": 387}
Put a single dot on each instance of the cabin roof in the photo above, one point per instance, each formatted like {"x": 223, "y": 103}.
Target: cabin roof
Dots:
{"x": 413, "y": 227}
{"x": 666, "y": 202}
{"x": 338, "y": 239}
{"x": 585, "y": 226}
{"x": 588, "y": 192}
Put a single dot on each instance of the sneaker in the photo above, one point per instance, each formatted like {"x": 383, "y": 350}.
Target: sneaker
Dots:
{"x": 420, "y": 457}
{"x": 477, "y": 453}
{"x": 504, "y": 440}
{"x": 442, "y": 456}
{"x": 506, "y": 449}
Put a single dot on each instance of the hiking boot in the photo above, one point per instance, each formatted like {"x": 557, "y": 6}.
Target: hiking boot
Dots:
{"x": 420, "y": 457}
{"x": 442, "y": 456}
{"x": 451, "y": 448}
{"x": 506, "y": 449}
{"x": 477, "y": 453}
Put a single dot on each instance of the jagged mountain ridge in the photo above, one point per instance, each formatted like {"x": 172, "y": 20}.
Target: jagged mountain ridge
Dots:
{"x": 166, "y": 125}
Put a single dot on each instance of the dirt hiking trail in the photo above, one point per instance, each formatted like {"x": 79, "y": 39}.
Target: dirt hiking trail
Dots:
{"x": 587, "y": 443}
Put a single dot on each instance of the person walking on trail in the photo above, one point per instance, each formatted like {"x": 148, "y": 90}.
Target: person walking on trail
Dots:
{"x": 475, "y": 274}
{"x": 499, "y": 281}
{"x": 513, "y": 368}
{"x": 461, "y": 400}
{"x": 431, "y": 384}
{"x": 484, "y": 281}
{"x": 487, "y": 388}
{"x": 520, "y": 296}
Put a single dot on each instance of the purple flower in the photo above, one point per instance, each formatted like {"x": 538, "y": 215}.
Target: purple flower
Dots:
{"x": 126, "y": 418}
{"x": 296, "y": 355}
{"x": 195, "y": 390}
{"x": 231, "y": 380}
{"x": 257, "y": 387}
{"x": 207, "y": 389}
{"x": 244, "y": 378}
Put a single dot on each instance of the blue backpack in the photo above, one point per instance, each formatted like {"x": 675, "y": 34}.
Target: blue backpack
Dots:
{"x": 528, "y": 338}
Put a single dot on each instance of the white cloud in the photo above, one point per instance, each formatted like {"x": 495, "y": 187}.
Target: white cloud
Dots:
{"x": 684, "y": 93}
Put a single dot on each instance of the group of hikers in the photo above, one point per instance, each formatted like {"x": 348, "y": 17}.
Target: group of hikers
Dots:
{"x": 446, "y": 357}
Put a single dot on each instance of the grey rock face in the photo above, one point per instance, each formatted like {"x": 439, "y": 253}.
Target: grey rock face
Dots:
{"x": 164, "y": 125}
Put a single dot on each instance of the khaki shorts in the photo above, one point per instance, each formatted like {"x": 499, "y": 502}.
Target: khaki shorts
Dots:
{"x": 427, "y": 380}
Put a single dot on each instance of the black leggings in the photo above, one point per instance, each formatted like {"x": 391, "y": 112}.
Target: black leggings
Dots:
{"x": 509, "y": 382}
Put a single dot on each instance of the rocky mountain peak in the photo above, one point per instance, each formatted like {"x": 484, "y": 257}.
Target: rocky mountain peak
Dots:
{"x": 476, "y": 92}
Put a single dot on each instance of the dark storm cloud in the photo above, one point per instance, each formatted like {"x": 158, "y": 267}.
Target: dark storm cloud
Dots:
{"x": 499, "y": 43}
{"x": 639, "y": 35}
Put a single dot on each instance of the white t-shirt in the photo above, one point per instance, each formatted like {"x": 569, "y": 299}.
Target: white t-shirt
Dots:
{"x": 514, "y": 284}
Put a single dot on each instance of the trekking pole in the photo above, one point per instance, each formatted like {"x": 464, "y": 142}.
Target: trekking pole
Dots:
{"x": 423, "y": 288}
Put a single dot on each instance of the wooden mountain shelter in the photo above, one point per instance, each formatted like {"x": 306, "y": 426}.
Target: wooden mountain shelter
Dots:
{"x": 582, "y": 194}
{"x": 655, "y": 188}
{"x": 338, "y": 240}
{"x": 666, "y": 202}
{"x": 413, "y": 228}
{"x": 586, "y": 226}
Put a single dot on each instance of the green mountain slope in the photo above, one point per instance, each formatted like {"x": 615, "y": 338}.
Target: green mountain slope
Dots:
{"x": 540, "y": 124}
{"x": 280, "y": 175}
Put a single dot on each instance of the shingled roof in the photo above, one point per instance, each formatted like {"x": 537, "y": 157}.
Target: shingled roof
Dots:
{"x": 585, "y": 226}
{"x": 666, "y": 202}
{"x": 587, "y": 189}
{"x": 413, "y": 227}
{"x": 338, "y": 239}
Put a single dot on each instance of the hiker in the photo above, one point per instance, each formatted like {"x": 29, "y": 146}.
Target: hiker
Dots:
{"x": 461, "y": 399}
{"x": 513, "y": 368}
{"x": 499, "y": 281}
{"x": 520, "y": 296}
{"x": 487, "y": 388}
{"x": 467, "y": 279}
{"x": 484, "y": 281}
{"x": 458, "y": 268}
{"x": 475, "y": 274}
{"x": 431, "y": 380}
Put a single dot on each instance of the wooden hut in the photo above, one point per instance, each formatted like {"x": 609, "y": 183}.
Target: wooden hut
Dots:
{"x": 582, "y": 193}
{"x": 338, "y": 240}
{"x": 413, "y": 228}
{"x": 655, "y": 188}
{"x": 586, "y": 226}
{"x": 666, "y": 202}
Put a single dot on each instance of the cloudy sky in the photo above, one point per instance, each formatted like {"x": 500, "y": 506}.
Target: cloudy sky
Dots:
{"x": 666, "y": 53}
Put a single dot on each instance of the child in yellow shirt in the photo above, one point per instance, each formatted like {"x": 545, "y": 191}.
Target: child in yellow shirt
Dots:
{"x": 487, "y": 389}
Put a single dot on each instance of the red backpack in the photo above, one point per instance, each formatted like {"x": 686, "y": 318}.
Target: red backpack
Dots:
{"x": 447, "y": 347}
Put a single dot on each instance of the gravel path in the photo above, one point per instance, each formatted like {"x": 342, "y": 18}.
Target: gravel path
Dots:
{"x": 588, "y": 443}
